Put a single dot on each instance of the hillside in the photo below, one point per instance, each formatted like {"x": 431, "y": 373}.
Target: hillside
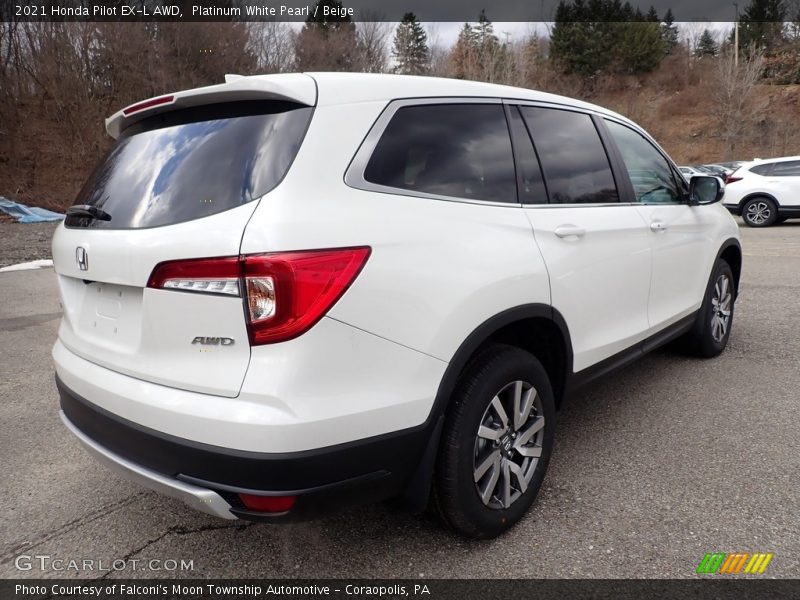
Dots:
{"x": 686, "y": 125}
{"x": 48, "y": 167}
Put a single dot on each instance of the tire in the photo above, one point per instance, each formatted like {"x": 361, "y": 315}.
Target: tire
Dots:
{"x": 487, "y": 508}
{"x": 781, "y": 220}
{"x": 759, "y": 212}
{"x": 711, "y": 330}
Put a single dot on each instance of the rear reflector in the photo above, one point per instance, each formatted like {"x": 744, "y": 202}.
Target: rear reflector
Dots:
{"x": 269, "y": 504}
{"x": 134, "y": 108}
{"x": 285, "y": 294}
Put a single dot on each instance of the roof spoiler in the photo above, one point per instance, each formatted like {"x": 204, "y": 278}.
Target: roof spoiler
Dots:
{"x": 294, "y": 87}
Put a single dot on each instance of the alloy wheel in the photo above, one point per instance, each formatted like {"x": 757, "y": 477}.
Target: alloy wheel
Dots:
{"x": 721, "y": 308}
{"x": 508, "y": 445}
{"x": 758, "y": 213}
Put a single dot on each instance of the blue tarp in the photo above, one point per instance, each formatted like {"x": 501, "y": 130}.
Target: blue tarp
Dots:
{"x": 28, "y": 214}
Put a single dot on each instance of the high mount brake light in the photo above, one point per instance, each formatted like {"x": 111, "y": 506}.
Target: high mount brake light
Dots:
{"x": 134, "y": 108}
{"x": 285, "y": 293}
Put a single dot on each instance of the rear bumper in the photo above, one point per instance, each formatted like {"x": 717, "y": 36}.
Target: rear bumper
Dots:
{"x": 198, "y": 498}
{"x": 208, "y": 478}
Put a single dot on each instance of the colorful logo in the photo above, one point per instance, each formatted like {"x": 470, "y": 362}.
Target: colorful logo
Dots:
{"x": 734, "y": 563}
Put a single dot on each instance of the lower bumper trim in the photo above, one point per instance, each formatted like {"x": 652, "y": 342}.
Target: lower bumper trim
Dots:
{"x": 201, "y": 499}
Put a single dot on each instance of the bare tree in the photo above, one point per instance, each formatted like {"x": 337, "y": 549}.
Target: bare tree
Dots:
{"x": 271, "y": 43}
{"x": 439, "y": 53}
{"x": 690, "y": 33}
{"x": 373, "y": 36}
{"x": 733, "y": 87}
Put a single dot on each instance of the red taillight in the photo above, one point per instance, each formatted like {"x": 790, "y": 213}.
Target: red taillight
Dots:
{"x": 288, "y": 293}
{"x": 285, "y": 294}
{"x": 272, "y": 504}
{"x": 133, "y": 108}
{"x": 732, "y": 179}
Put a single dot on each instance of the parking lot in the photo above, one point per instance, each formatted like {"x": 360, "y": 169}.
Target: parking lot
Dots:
{"x": 653, "y": 467}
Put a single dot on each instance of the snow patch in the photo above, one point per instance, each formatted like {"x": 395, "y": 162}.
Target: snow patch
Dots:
{"x": 26, "y": 266}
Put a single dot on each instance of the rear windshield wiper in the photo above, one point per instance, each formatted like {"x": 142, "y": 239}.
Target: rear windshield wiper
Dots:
{"x": 87, "y": 210}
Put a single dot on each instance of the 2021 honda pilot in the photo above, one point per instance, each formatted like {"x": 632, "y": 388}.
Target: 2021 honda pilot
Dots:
{"x": 293, "y": 293}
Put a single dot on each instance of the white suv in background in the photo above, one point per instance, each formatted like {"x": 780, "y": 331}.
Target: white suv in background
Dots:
{"x": 288, "y": 294}
{"x": 765, "y": 191}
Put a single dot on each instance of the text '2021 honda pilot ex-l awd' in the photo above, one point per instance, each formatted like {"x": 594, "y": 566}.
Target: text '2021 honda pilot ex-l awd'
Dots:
{"x": 287, "y": 294}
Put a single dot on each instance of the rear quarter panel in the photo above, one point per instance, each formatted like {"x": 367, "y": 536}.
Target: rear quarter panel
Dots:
{"x": 438, "y": 269}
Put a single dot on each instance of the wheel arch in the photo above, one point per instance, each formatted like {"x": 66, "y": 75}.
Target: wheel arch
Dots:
{"x": 537, "y": 328}
{"x": 731, "y": 252}
{"x": 532, "y": 327}
{"x": 753, "y": 195}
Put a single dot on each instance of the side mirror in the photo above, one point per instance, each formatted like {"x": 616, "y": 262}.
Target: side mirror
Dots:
{"x": 705, "y": 189}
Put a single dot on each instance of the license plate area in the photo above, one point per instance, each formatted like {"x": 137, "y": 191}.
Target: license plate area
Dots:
{"x": 111, "y": 314}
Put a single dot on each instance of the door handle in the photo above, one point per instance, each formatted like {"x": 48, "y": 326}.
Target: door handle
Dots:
{"x": 565, "y": 231}
{"x": 657, "y": 226}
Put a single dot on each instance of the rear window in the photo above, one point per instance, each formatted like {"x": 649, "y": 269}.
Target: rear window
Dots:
{"x": 191, "y": 163}
{"x": 458, "y": 150}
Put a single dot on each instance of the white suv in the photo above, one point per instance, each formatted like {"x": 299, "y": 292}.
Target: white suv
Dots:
{"x": 765, "y": 192}
{"x": 293, "y": 293}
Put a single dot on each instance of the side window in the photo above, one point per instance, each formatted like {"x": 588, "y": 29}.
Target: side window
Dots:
{"x": 531, "y": 184}
{"x": 790, "y": 168}
{"x": 459, "y": 150}
{"x": 652, "y": 177}
{"x": 574, "y": 162}
{"x": 764, "y": 169}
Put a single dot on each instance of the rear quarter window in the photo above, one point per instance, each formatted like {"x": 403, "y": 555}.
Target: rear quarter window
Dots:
{"x": 762, "y": 169}
{"x": 789, "y": 168}
{"x": 192, "y": 163}
{"x": 454, "y": 150}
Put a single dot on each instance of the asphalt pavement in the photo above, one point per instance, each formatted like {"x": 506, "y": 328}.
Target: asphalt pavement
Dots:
{"x": 653, "y": 467}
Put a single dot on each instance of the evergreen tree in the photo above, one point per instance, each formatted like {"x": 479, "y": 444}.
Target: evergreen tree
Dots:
{"x": 652, "y": 15}
{"x": 484, "y": 32}
{"x": 604, "y": 36}
{"x": 463, "y": 54}
{"x": 334, "y": 21}
{"x": 669, "y": 32}
{"x": 761, "y": 25}
{"x": 706, "y": 45}
{"x": 478, "y": 54}
{"x": 640, "y": 48}
{"x": 410, "y": 47}
{"x": 491, "y": 55}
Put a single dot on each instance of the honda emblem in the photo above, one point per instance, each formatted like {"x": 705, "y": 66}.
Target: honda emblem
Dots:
{"x": 82, "y": 257}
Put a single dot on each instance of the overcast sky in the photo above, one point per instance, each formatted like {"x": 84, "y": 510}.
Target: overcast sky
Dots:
{"x": 447, "y": 33}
